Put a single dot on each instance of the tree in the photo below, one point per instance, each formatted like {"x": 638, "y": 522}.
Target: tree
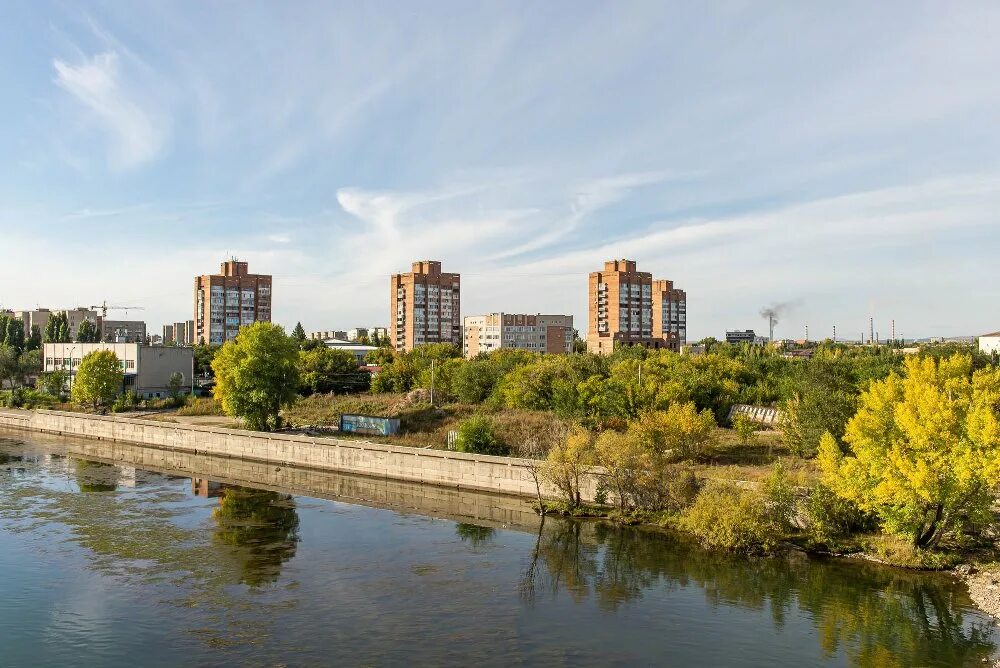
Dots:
{"x": 324, "y": 369}
{"x": 476, "y": 435}
{"x": 567, "y": 462}
{"x": 34, "y": 341}
{"x": 380, "y": 357}
{"x": 8, "y": 365}
{"x": 87, "y": 332}
{"x": 98, "y": 380}
{"x": 203, "y": 356}
{"x": 57, "y": 328}
{"x": 29, "y": 364}
{"x": 54, "y": 382}
{"x": 824, "y": 400}
{"x": 299, "y": 333}
{"x": 923, "y": 449}
{"x": 680, "y": 432}
{"x": 174, "y": 385}
{"x": 257, "y": 374}
{"x": 12, "y": 333}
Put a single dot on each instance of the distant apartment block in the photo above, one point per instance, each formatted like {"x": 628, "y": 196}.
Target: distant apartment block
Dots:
{"x": 40, "y": 318}
{"x": 628, "y": 307}
{"x": 424, "y": 307}
{"x": 537, "y": 333}
{"x": 226, "y": 301}
{"x": 123, "y": 331}
{"x": 147, "y": 369}
{"x": 357, "y": 333}
{"x": 168, "y": 334}
{"x": 327, "y": 334}
{"x": 737, "y": 337}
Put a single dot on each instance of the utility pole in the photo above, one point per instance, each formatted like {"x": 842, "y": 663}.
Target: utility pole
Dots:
{"x": 432, "y": 382}
{"x": 640, "y": 374}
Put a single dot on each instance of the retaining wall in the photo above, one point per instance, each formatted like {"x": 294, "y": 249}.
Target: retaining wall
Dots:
{"x": 504, "y": 475}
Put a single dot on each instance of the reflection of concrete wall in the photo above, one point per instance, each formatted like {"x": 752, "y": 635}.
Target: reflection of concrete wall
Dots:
{"x": 505, "y": 475}
{"x": 210, "y": 475}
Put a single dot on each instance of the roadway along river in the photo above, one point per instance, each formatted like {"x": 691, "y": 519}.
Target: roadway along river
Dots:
{"x": 166, "y": 559}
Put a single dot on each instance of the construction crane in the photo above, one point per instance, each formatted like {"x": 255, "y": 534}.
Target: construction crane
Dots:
{"x": 104, "y": 309}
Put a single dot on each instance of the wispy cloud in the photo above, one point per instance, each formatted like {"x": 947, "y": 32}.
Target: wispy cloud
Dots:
{"x": 136, "y": 134}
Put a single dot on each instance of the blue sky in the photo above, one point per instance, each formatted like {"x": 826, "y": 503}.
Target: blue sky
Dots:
{"x": 840, "y": 157}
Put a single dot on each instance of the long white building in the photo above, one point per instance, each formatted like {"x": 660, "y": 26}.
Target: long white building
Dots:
{"x": 147, "y": 369}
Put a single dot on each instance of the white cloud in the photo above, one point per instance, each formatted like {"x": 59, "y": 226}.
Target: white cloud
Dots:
{"x": 136, "y": 132}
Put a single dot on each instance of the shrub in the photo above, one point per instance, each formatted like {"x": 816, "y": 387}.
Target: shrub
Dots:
{"x": 830, "y": 517}
{"x": 476, "y": 435}
{"x": 127, "y": 401}
{"x": 680, "y": 431}
{"x": 725, "y": 516}
{"x": 22, "y": 397}
{"x": 745, "y": 428}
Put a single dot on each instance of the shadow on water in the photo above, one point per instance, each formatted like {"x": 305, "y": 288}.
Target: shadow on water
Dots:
{"x": 877, "y": 616}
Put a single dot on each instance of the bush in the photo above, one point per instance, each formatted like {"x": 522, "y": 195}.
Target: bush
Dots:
{"x": 475, "y": 435}
{"x": 831, "y": 517}
{"x": 568, "y": 460}
{"x": 680, "y": 432}
{"x": 727, "y": 517}
{"x": 745, "y": 428}
{"x": 128, "y": 401}
{"x": 22, "y": 397}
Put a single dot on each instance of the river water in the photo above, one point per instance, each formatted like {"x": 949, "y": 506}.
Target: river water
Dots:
{"x": 164, "y": 559}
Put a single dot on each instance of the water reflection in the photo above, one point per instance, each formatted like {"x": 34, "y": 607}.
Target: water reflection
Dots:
{"x": 474, "y": 534}
{"x": 260, "y": 527}
{"x": 95, "y": 476}
{"x": 877, "y": 616}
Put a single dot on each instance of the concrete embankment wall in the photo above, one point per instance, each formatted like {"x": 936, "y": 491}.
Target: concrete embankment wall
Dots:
{"x": 503, "y": 475}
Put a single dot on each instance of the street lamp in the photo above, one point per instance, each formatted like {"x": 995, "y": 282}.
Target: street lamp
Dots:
{"x": 71, "y": 351}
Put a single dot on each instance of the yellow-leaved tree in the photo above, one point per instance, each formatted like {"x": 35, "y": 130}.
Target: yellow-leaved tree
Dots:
{"x": 923, "y": 450}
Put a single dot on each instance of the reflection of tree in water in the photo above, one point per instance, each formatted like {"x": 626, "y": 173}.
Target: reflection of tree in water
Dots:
{"x": 474, "y": 534}
{"x": 877, "y": 616}
{"x": 262, "y": 527}
{"x": 95, "y": 476}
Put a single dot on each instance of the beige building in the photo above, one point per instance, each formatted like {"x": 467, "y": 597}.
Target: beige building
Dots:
{"x": 40, "y": 318}
{"x": 627, "y": 306}
{"x": 326, "y": 334}
{"x": 147, "y": 369}
{"x": 424, "y": 307}
{"x": 537, "y": 333}
{"x": 226, "y": 301}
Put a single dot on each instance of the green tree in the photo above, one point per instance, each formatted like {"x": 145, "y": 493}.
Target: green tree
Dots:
{"x": 29, "y": 364}
{"x": 324, "y": 369}
{"x": 54, "y": 382}
{"x": 12, "y": 333}
{"x": 256, "y": 375}
{"x": 98, "y": 380}
{"x": 299, "y": 333}
{"x": 380, "y": 357}
{"x": 175, "y": 384}
{"x": 923, "y": 449}
{"x": 824, "y": 399}
{"x": 203, "y": 356}
{"x": 57, "y": 328}
{"x": 87, "y": 332}
{"x": 476, "y": 435}
{"x": 9, "y": 367}
{"x": 34, "y": 341}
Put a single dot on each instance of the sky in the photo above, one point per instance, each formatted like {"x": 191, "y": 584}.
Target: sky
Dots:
{"x": 842, "y": 159}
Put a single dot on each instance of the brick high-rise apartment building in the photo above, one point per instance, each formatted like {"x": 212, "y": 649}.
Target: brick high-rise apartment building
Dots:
{"x": 226, "y": 301}
{"x": 627, "y": 306}
{"x": 424, "y": 307}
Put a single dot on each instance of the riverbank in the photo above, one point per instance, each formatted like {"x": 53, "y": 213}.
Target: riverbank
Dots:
{"x": 501, "y": 475}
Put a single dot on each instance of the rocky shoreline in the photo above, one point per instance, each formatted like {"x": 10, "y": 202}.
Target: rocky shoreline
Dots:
{"x": 984, "y": 588}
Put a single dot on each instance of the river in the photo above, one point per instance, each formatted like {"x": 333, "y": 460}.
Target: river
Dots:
{"x": 118, "y": 555}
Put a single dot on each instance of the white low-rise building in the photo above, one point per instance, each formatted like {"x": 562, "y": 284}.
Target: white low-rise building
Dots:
{"x": 990, "y": 343}
{"x": 147, "y": 369}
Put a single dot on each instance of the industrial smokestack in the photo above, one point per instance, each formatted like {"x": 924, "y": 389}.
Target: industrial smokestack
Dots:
{"x": 773, "y": 313}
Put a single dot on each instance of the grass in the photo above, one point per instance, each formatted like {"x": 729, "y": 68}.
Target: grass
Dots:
{"x": 201, "y": 406}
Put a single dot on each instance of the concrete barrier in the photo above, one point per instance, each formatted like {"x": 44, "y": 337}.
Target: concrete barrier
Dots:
{"x": 503, "y": 475}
